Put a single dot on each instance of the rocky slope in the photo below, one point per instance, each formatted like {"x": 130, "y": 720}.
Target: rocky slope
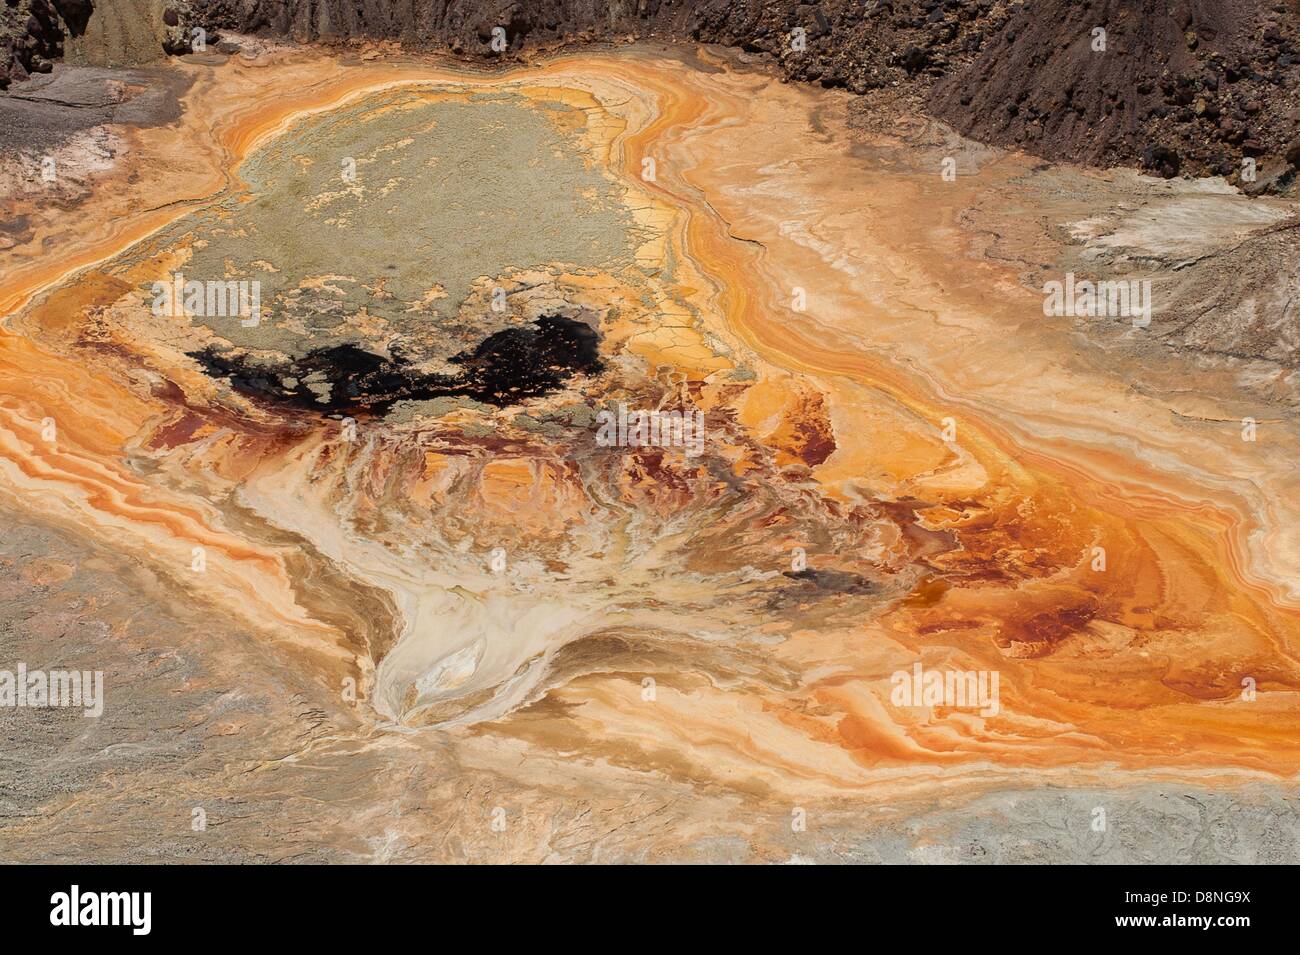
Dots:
{"x": 1188, "y": 85}
{"x": 1178, "y": 86}
{"x": 115, "y": 33}
{"x": 1191, "y": 86}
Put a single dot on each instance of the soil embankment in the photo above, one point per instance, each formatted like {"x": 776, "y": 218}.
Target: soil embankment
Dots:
{"x": 1174, "y": 86}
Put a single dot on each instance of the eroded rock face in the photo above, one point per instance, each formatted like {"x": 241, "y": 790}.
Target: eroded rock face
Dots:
{"x": 112, "y": 33}
{"x": 31, "y": 37}
{"x": 838, "y": 44}
{"x": 75, "y": 14}
{"x": 1183, "y": 86}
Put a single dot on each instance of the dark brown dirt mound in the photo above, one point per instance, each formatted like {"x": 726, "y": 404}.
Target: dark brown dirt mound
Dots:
{"x": 1181, "y": 85}
{"x": 857, "y": 44}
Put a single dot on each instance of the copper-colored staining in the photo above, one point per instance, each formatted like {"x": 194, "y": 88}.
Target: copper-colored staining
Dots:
{"x": 823, "y": 433}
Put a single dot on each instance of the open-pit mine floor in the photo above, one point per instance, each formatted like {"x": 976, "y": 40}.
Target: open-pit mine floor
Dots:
{"x": 324, "y": 405}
